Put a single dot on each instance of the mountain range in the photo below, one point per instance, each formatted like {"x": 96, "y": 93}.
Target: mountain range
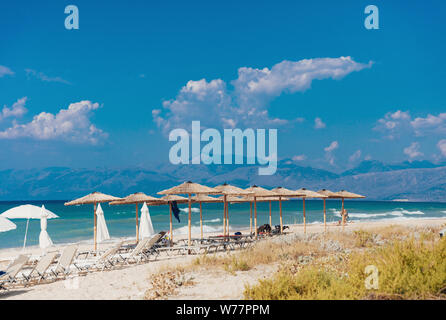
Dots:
{"x": 414, "y": 181}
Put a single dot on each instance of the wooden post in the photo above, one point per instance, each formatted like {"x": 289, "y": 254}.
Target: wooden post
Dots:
{"x": 190, "y": 220}
{"x": 305, "y": 225}
{"x": 270, "y": 219}
{"x": 255, "y": 216}
{"x": 227, "y": 219}
{"x": 137, "y": 225}
{"x": 280, "y": 206}
{"x": 171, "y": 231}
{"x": 325, "y": 217}
{"x": 201, "y": 221}
{"x": 95, "y": 228}
{"x": 224, "y": 215}
{"x": 250, "y": 218}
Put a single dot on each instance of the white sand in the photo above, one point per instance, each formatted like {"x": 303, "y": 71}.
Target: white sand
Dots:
{"x": 131, "y": 282}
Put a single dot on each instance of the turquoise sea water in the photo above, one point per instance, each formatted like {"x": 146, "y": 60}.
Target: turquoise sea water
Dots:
{"x": 76, "y": 222}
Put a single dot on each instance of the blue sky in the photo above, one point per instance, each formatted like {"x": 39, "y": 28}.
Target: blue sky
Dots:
{"x": 131, "y": 58}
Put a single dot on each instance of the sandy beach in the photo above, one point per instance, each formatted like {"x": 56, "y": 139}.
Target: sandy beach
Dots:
{"x": 132, "y": 282}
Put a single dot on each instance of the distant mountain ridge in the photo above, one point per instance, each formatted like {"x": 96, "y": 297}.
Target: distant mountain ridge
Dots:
{"x": 417, "y": 180}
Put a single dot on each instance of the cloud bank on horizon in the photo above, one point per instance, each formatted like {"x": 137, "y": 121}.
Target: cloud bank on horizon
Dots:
{"x": 246, "y": 103}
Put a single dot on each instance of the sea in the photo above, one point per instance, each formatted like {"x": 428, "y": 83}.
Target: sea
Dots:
{"x": 75, "y": 223}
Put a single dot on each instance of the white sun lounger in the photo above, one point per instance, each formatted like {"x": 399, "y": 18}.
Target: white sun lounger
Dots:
{"x": 12, "y": 271}
{"x": 106, "y": 261}
{"x": 63, "y": 267}
{"x": 39, "y": 271}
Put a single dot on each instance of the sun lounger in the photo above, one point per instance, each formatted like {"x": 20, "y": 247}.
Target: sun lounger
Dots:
{"x": 63, "y": 267}
{"x": 136, "y": 255}
{"x": 105, "y": 261}
{"x": 39, "y": 271}
{"x": 12, "y": 271}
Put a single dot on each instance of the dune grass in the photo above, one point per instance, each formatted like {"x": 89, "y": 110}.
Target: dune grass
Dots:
{"x": 407, "y": 269}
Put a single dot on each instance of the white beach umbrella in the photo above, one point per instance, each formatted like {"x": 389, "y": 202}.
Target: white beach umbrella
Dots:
{"x": 6, "y": 225}
{"x": 102, "y": 226}
{"x": 145, "y": 225}
{"x": 28, "y": 211}
{"x": 44, "y": 237}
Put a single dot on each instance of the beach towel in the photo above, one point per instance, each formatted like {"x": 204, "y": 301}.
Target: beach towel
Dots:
{"x": 175, "y": 210}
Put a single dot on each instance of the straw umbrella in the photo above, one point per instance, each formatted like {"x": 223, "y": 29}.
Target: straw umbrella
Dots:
{"x": 93, "y": 198}
{"x": 259, "y": 192}
{"x": 308, "y": 194}
{"x": 229, "y": 190}
{"x": 284, "y": 192}
{"x": 343, "y": 194}
{"x": 135, "y": 199}
{"x": 200, "y": 198}
{"x": 328, "y": 194}
{"x": 189, "y": 188}
{"x": 168, "y": 200}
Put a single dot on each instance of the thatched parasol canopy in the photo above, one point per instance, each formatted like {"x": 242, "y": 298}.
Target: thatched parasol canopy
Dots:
{"x": 95, "y": 197}
{"x": 189, "y": 188}
{"x": 261, "y": 192}
{"x": 204, "y": 198}
{"x": 328, "y": 193}
{"x": 348, "y": 195}
{"x": 287, "y": 192}
{"x": 310, "y": 194}
{"x": 228, "y": 189}
{"x": 135, "y": 198}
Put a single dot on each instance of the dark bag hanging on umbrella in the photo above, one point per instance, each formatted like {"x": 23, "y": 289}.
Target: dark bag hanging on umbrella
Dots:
{"x": 176, "y": 211}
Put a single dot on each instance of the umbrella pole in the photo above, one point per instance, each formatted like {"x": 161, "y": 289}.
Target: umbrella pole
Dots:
{"x": 201, "y": 222}
{"x": 227, "y": 219}
{"x": 137, "y": 227}
{"x": 250, "y": 218}
{"x": 270, "y": 219}
{"x": 224, "y": 215}
{"x": 325, "y": 217}
{"x": 281, "y": 223}
{"x": 255, "y": 216}
{"x": 170, "y": 216}
{"x": 190, "y": 220}
{"x": 305, "y": 225}
{"x": 26, "y": 233}
{"x": 95, "y": 228}
{"x": 342, "y": 215}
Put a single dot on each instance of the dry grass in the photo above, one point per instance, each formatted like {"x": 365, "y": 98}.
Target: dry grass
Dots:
{"x": 411, "y": 265}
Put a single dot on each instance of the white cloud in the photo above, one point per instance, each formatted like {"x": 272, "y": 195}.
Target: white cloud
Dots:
{"x": 5, "y": 71}
{"x": 442, "y": 147}
{"x": 247, "y": 103}
{"x": 413, "y": 150}
{"x": 333, "y": 146}
{"x": 301, "y": 157}
{"x": 319, "y": 124}
{"x": 71, "y": 124}
{"x": 329, "y": 152}
{"x": 43, "y": 77}
{"x": 17, "y": 109}
{"x": 399, "y": 123}
{"x": 355, "y": 156}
